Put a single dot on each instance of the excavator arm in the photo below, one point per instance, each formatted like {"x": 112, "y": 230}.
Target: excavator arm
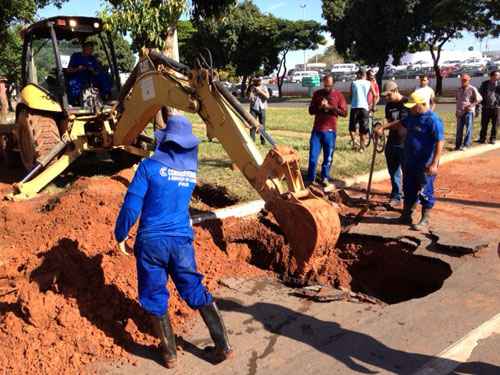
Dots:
{"x": 310, "y": 223}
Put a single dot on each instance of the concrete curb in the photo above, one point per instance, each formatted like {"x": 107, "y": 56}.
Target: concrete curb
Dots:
{"x": 253, "y": 207}
{"x": 451, "y": 156}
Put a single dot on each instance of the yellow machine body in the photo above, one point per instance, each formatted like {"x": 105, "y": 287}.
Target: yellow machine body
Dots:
{"x": 35, "y": 98}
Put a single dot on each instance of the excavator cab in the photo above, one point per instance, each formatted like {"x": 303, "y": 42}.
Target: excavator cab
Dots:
{"x": 71, "y": 62}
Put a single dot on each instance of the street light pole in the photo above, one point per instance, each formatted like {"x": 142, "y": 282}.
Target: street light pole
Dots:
{"x": 303, "y": 6}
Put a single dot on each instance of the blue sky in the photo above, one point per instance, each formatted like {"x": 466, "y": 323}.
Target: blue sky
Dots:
{"x": 290, "y": 9}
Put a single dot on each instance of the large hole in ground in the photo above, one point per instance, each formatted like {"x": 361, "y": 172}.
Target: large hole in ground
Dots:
{"x": 385, "y": 269}
{"x": 388, "y": 269}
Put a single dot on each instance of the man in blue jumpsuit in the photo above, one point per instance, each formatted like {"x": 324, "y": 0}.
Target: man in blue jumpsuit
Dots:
{"x": 423, "y": 147}
{"x": 84, "y": 70}
{"x": 160, "y": 193}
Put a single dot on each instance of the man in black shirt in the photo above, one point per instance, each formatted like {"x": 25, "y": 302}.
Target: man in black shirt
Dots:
{"x": 490, "y": 91}
{"x": 394, "y": 149}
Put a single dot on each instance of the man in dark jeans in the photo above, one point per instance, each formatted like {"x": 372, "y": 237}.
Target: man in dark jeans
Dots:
{"x": 258, "y": 94}
{"x": 490, "y": 91}
{"x": 326, "y": 105}
{"x": 394, "y": 149}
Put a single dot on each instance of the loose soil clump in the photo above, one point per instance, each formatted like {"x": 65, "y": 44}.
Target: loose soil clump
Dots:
{"x": 72, "y": 298}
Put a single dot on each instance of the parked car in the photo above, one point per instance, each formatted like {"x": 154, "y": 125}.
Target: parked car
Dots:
{"x": 297, "y": 76}
{"x": 344, "y": 68}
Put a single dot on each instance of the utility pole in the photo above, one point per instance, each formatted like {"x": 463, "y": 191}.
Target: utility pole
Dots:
{"x": 303, "y": 6}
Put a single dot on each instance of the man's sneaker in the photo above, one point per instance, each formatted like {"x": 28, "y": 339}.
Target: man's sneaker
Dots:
{"x": 325, "y": 182}
{"x": 481, "y": 141}
{"x": 395, "y": 203}
{"x": 492, "y": 141}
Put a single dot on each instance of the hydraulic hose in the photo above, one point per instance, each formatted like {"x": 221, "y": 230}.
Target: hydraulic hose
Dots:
{"x": 242, "y": 112}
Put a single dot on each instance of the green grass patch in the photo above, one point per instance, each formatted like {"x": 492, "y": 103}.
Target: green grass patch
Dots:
{"x": 292, "y": 126}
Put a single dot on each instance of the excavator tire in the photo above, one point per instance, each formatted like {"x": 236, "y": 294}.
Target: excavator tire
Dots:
{"x": 37, "y": 136}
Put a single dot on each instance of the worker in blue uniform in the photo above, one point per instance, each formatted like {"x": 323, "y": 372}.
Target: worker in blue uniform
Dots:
{"x": 84, "y": 70}
{"x": 160, "y": 193}
{"x": 422, "y": 150}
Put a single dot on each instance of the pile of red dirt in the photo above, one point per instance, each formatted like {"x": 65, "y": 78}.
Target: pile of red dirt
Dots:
{"x": 67, "y": 297}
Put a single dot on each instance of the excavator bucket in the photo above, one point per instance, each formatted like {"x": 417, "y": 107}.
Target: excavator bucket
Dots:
{"x": 312, "y": 227}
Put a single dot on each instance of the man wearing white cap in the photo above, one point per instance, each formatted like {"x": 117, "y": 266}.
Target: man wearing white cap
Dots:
{"x": 422, "y": 150}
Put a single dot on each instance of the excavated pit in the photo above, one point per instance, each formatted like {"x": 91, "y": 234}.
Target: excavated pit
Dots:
{"x": 385, "y": 269}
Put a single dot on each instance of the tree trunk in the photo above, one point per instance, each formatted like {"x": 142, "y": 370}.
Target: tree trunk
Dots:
{"x": 171, "y": 44}
{"x": 243, "y": 86}
{"x": 171, "y": 49}
{"x": 280, "y": 78}
{"x": 380, "y": 73}
{"x": 4, "y": 101}
{"x": 439, "y": 80}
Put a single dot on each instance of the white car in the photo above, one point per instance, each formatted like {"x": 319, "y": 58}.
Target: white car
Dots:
{"x": 344, "y": 68}
{"x": 475, "y": 63}
{"x": 297, "y": 76}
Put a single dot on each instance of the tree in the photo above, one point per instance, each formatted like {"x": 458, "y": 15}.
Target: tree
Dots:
{"x": 244, "y": 39}
{"x": 13, "y": 15}
{"x": 153, "y": 23}
{"x": 437, "y": 22}
{"x": 10, "y": 54}
{"x": 294, "y": 36}
{"x": 370, "y": 30}
{"x": 248, "y": 41}
{"x": 330, "y": 56}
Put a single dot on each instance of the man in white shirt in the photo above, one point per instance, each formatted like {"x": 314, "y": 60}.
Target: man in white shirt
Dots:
{"x": 361, "y": 88}
{"x": 426, "y": 91}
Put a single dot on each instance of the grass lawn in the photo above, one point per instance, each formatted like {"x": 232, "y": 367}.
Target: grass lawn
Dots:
{"x": 292, "y": 126}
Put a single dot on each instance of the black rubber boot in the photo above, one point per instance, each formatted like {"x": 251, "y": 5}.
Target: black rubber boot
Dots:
{"x": 424, "y": 221}
{"x": 212, "y": 318}
{"x": 406, "y": 216}
{"x": 163, "y": 330}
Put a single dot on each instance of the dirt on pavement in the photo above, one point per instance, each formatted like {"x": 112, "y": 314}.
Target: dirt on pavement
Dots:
{"x": 68, "y": 298}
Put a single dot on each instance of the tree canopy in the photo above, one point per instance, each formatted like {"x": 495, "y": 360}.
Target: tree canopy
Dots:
{"x": 248, "y": 41}
{"x": 437, "y": 22}
{"x": 151, "y": 23}
{"x": 13, "y": 15}
{"x": 370, "y": 30}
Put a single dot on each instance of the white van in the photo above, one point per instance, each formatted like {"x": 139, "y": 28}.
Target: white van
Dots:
{"x": 344, "y": 68}
{"x": 297, "y": 76}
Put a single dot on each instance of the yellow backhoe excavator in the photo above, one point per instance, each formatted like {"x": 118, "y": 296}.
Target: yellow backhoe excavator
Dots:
{"x": 52, "y": 129}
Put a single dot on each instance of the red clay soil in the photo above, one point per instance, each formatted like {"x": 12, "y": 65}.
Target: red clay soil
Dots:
{"x": 468, "y": 189}
{"x": 67, "y": 298}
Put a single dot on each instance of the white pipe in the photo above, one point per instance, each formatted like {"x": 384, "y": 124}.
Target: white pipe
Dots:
{"x": 239, "y": 210}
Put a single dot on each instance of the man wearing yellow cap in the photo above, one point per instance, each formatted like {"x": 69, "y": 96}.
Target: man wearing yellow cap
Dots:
{"x": 423, "y": 147}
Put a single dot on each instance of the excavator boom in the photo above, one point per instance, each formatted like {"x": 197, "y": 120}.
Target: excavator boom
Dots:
{"x": 310, "y": 223}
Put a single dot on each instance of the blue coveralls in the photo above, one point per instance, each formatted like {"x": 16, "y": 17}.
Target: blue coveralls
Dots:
{"x": 423, "y": 133}
{"x": 164, "y": 244}
{"x": 78, "y": 81}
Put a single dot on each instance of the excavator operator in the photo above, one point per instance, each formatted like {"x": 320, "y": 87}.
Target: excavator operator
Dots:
{"x": 84, "y": 70}
{"x": 160, "y": 193}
